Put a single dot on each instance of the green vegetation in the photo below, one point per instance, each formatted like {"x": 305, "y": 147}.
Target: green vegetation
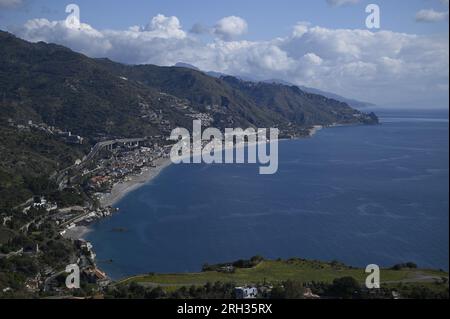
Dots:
{"x": 286, "y": 279}
{"x": 27, "y": 159}
{"x": 272, "y": 271}
{"x": 217, "y": 290}
{"x": 97, "y": 97}
{"x": 53, "y": 255}
{"x": 241, "y": 263}
{"x": 404, "y": 265}
{"x": 430, "y": 290}
{"x": 245, "y": 103}
{"x": 6, "y": 234}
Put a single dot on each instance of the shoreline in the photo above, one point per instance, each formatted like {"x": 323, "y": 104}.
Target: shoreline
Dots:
{"x": 78, "y": 232}
{"x": 134, "y": 182}
{"x": 120, "y": 190}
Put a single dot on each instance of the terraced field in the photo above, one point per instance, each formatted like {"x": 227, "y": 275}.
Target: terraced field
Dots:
{"x": 293, "y": 269}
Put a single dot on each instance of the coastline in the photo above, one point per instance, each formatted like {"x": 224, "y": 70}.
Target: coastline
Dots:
{"x": 78, "y": 232}
{"x": 120, "y": 190}
{"x": 134, "y": 182}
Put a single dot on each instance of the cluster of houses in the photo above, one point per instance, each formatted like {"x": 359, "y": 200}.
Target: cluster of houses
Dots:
{"x": 206, "y": 119}
{"x": 70, "y": 138}
{"x": 66, "y": 136}
{"x": 93, "y": 275}
{"x": 263, "y": 291}
{"x": 71, "y": 217}
{"x": 41, "y": 203}
{"x": 48, "y": 280}
{"x": 89, "y": 270}
{"x": 248, "y": 292}
{"x": 126, "y": 161}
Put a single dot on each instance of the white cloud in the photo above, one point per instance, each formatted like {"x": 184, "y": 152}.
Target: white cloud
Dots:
{"x": 312, "y": 58}
{"x": 300, "y": 29}
{"x": 227, "y": 29}
{"x": 430, "y": 15}
{"x": 339, "y": 3}
{"x": 164, "y": 27}
{"x": 383, "y": 67}
{"x": 230, "y": 27}
{"x": 85, "y": 39}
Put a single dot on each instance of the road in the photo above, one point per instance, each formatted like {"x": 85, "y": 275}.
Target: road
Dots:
{"x": 94, "y": 151}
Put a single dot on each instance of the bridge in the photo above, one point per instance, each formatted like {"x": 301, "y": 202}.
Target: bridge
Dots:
{"x": 125, "y": 141}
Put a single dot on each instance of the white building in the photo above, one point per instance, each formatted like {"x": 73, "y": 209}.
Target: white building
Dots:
{"x": 246, "y": 292}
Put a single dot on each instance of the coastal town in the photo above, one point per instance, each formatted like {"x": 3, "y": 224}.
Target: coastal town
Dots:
{"x": 109, "y": 170}
{"x": 209, "y": 158}
{"x": 91, "y": 187}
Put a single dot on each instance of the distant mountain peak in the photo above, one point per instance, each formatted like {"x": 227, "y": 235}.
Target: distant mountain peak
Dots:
{"x": 187, "y": 66}
{"x": 352, "y": 102}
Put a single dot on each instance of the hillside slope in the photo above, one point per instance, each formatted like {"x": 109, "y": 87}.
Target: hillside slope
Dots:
{"x": 280, "y": 270}
{"x": 53, "y": 87}
{"x": 97, "y": 97}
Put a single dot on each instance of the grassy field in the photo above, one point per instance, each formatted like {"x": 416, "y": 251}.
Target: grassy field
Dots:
{"x": 278, "y": 271}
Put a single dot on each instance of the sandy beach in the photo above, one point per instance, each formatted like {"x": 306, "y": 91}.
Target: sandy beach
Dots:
{"x": 134, "y": 182}
{"x": 78, "y": 232}
{"x": 120, "y": 190}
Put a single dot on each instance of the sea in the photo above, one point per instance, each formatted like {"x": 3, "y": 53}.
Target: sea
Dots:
{"x": 356, "y": 194}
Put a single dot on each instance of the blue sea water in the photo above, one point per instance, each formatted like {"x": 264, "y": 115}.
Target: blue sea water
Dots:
{"x": 357, "y": 194}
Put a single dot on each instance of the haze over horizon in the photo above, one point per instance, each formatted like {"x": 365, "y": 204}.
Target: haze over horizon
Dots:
{"x": 321, "y": 44}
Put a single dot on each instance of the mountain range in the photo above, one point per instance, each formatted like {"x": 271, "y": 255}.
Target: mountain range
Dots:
{"x": 98, "y": 97}
{"x": 351, "y": 102}
{"x": 53, "y": 87}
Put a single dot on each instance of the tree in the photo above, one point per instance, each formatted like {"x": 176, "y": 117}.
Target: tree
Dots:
{"x": 155, "y": 293}
{"x": 345, "y": 287}
{"x": 289, "y": 290}
{"x": 293, "y": 289}
{"x": 256, "y": 259}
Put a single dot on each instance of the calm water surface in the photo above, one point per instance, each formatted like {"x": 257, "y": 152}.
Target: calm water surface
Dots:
{"x": 361, "y": 195}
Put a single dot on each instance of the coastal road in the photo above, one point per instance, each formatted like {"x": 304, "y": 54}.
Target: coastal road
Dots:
{"x": 94, "y": 151}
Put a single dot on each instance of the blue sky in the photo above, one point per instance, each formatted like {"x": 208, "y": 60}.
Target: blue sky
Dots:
{"x": 306, "y": 42}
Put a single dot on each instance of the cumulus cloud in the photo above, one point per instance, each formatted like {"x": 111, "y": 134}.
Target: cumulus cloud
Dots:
{"x": 230, "y": 27}
{"x": 339, "y": 3}
{"x": 382, "y": 67}
{"x": 83, "y": 39}
{"x": 227, "y": 29}
{"x": 430, "y": 15}
{"x": 301, "y": 28}
{"x": 164, "y": 27}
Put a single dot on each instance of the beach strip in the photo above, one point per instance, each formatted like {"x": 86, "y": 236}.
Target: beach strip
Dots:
{"x": 133, "y": 182}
